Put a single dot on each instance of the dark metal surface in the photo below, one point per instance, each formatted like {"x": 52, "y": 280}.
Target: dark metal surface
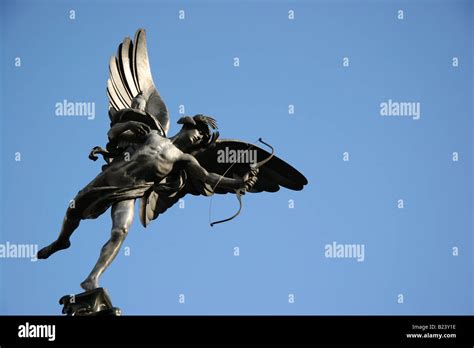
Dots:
{"x": 95, "y": 302}
{"x": 143, "y": 163}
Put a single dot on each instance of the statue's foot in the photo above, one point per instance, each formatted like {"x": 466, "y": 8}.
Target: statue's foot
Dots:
{"x": 90, "y": 284}
{"x": 52, "y": 248}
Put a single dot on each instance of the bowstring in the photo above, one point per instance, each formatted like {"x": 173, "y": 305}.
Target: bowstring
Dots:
{"x": 222, "y": 176}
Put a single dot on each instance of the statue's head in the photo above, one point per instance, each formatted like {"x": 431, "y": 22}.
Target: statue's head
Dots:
{"x": 197, "y": 131}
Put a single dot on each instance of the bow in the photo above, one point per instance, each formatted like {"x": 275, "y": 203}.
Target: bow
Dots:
{"x": 254, "y": 170}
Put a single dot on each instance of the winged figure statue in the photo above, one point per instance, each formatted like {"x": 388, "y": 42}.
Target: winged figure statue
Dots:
{"x": 142, "y": 162}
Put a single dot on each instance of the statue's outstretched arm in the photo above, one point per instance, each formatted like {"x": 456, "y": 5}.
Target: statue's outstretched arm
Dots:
{"x": 197, "y": 172}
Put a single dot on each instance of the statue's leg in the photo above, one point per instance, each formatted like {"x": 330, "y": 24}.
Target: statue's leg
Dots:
{"x": 122, "y": 218}
{"x": 70, "y": 223}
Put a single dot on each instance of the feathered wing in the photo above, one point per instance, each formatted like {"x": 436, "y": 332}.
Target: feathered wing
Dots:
{"x": 130, "y": 81}
{"x": 158, "y": 198}
{"x": 272, "y": 175}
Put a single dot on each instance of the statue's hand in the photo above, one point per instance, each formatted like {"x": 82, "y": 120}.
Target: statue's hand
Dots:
{"x": 138, "y": 128}
{"x": 250, "y": 179}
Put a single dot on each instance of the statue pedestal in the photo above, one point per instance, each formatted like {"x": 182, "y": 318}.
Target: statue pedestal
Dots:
{"x": 89, "y": 303}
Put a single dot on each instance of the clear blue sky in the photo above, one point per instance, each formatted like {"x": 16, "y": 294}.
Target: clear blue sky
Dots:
{"x": 407, "y": 251}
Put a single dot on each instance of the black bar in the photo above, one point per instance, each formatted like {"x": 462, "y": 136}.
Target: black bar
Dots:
{"x": 138, "y": 330}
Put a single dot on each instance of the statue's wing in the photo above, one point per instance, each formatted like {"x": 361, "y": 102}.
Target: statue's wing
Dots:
{"x": 272, "y": 175}
{"x": 130, "y": 81}
{"x": 164, "y": 195}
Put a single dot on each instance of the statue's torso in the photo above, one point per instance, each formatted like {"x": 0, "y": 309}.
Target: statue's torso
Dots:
{"x": 152, "y": 160}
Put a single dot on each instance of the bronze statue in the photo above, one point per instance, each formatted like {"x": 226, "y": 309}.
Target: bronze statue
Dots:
{"x": 142, "y": 162}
